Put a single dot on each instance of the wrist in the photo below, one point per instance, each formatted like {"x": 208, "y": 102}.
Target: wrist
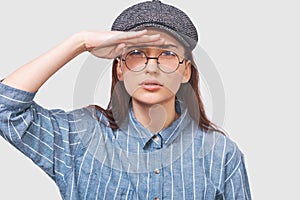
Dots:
{"x": 78, "y": 40}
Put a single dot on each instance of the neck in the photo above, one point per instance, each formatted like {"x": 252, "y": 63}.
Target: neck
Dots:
{"x": 155, "y": 117}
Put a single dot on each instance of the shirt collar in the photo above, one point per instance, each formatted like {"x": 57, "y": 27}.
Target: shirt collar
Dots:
{"x": 168, "y": 134}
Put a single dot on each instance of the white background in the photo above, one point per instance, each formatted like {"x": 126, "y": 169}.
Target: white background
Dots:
{"x": 254, "y": 45}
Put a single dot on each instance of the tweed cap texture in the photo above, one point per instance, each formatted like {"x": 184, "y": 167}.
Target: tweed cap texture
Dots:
{"x": 158, "y": 15}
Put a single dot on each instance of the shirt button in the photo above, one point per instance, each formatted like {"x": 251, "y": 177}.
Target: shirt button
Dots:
{"x": 156, "y": 171}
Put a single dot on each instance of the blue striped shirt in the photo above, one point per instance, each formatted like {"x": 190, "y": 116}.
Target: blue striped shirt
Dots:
{"x": 89, "y": 160}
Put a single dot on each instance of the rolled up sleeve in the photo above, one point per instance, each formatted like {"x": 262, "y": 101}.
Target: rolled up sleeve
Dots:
{"x": 42, "y": 135}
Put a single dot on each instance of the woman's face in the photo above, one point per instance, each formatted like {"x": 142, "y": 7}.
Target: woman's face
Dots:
{"x": 151, "y": 85}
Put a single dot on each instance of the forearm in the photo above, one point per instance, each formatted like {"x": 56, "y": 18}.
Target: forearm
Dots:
{"x": 31, "y": 76}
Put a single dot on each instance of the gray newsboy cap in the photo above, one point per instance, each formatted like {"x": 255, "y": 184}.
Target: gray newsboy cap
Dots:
{"x": 158, "y": 15}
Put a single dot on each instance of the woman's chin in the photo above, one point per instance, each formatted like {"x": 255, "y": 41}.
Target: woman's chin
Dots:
{"x": 153, "y": 98}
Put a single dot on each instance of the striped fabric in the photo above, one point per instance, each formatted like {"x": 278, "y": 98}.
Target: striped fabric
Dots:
{"x": 89, "y": 160}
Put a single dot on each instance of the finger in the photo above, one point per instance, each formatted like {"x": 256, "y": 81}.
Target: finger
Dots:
{"x": 129, "y": 35}
{"x": 147, "y": 43}
{"x": 159, "y": 42}
{"x": 144, "y": 39}
{"x": 117, "y": 37}
{"x": 119, "y": 49}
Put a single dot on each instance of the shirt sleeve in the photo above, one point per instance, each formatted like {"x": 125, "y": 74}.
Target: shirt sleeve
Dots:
{"x": 43, "y": 135}
{"x": 227, "y": 169}
{"x": 236, "y": 186}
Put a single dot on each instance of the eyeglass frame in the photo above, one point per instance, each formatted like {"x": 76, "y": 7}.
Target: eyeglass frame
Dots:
{"x": 156, "y": 58}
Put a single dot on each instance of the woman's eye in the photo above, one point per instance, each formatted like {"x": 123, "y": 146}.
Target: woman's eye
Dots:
{"x": 136, "y": 53}
{"x": 168, "y": 53}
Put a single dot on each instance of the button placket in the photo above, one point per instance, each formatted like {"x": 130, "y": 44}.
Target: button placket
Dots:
{"x": 157, "y": 173}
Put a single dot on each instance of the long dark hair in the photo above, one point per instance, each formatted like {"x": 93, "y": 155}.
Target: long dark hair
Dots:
{"x": 189, "y": 93}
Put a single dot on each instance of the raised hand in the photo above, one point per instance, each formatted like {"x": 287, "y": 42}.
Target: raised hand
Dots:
{"x": 110, "y": 44}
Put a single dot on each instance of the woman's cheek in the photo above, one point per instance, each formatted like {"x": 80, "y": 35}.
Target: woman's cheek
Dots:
{"x": 172, "y": 82}
{"x": 131, "y": 81}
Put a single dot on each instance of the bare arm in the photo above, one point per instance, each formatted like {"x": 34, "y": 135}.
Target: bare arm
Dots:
{"x": 31, "y": 76}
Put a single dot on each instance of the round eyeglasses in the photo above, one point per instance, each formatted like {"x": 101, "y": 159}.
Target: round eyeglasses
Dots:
{"x": 137, "y": 60}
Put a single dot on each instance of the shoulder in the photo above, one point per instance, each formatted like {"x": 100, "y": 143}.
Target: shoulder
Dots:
{"x": 219, "y": 144}
{"x": 89, "y": 124}
{"x": 87, "y": 120}
{"x": 221, "y": 152}
{"x": 88, "y": 115}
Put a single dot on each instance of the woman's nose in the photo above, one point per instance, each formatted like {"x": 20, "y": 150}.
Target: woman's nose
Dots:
{"x": 152, "y": 65}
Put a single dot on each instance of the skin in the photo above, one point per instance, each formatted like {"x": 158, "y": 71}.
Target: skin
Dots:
{"x": 154, "y": 106}
{"x": 31, "y": 76}
{"x": 154, "y": 109}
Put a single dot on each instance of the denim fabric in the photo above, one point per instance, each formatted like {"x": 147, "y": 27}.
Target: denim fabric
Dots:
{"x": 89, "y": 160}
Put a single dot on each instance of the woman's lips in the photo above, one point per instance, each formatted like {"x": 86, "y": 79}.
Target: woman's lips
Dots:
{"x": 151, "y": 85}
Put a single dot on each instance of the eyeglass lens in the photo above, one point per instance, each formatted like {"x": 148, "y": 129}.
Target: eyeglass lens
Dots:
{"x": 137, "y": 60}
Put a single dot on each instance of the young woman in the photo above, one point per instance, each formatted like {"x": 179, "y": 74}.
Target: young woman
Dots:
{"x": 154, "y": 140}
